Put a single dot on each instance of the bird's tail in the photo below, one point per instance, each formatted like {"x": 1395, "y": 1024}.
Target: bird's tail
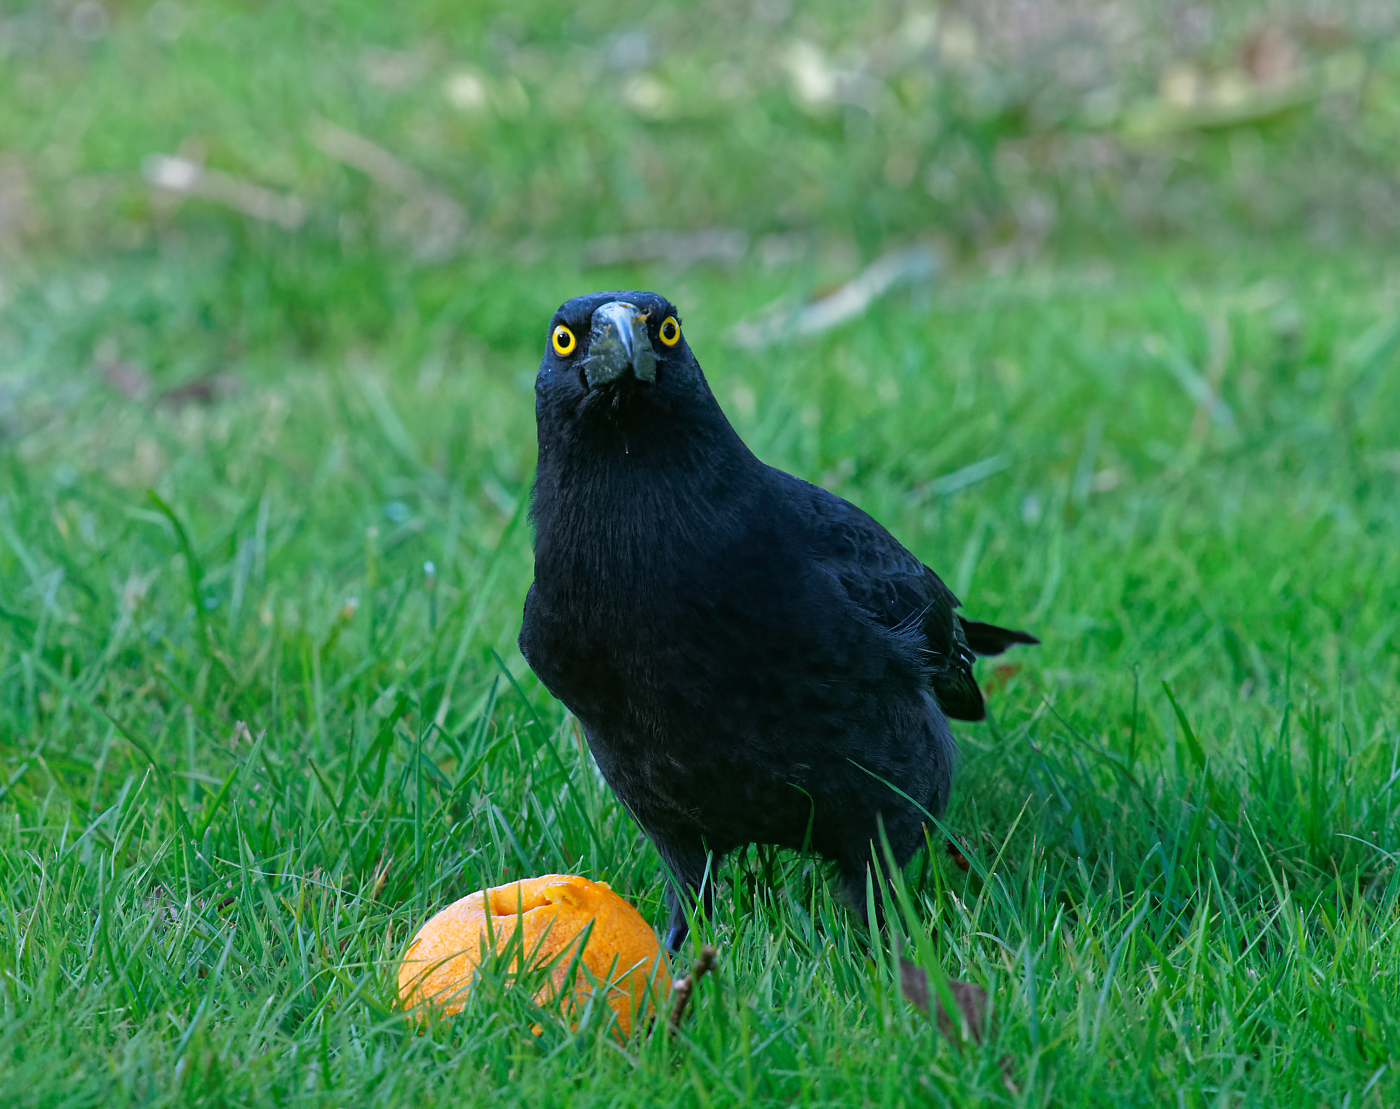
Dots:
{"x": 988, "y": 639}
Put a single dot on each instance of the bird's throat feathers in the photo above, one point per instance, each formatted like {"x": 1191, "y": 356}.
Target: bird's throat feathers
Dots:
{"x": 636, "y": 499}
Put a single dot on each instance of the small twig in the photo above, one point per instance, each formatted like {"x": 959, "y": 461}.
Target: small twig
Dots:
{"x": 684, "y": 987}
{"x": 429, "y": 218}
{"x": 186, "y": 177}
{"x": 914, "y": 264}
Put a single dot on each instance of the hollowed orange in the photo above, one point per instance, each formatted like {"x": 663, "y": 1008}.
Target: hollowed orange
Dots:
{"x": 551, "y": 911}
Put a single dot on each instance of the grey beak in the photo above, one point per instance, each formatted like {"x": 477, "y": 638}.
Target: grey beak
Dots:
{"x": 618, "y": 342}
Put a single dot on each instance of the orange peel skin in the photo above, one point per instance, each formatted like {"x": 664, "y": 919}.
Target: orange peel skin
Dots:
{"x": 548, "y": 914}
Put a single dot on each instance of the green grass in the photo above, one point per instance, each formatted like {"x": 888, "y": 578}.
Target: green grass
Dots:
{"x": 248, "y": 744}
{"x": 195, "y": 909}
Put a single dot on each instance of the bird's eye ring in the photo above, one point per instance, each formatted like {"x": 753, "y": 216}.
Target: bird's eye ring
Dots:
{"x": 564, "y": 341}
{"x": 670, "y": 332}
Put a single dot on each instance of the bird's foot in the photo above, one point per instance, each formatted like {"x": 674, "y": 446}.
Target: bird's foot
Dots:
{"x": 677, "y": 932}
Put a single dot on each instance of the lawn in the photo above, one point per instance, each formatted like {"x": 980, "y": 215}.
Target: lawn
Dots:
{"x": 267, "y": 449}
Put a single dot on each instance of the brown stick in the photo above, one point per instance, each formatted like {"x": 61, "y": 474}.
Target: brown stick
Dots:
{"x": 684, "y": 987}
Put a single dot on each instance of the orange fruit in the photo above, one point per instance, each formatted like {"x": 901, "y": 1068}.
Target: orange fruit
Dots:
{"x": 552, "y": 911}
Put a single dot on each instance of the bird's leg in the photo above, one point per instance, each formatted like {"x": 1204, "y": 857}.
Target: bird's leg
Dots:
{"x": 854, "y": 889}
{"x": 857, "y": 867}
{"x": 678, "y": 927}
{"x": 686, "y": 876}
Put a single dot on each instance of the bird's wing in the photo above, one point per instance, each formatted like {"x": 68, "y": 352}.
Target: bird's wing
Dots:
{"x": 896, "y": 589}
{"x": 988, "y": 639}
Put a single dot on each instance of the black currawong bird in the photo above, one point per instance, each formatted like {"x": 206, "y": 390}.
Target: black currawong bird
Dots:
{"x": 752, "y": 658}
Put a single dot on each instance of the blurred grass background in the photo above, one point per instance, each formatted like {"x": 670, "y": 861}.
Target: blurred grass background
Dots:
{"x": 272, "y": 285}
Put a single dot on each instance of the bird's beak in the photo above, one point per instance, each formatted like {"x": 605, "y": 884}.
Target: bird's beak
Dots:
{"x": 618, "y": 342}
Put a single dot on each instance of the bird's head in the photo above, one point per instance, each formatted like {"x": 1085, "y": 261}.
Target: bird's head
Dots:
{"x": 618, "y": 357}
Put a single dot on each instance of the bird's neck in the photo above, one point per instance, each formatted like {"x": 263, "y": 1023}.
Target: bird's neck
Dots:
{"x": 637, "y": 505}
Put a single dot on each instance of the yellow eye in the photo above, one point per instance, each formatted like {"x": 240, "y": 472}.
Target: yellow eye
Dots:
{"x": 670, "y": 331}
{"x": 564, "y": 341}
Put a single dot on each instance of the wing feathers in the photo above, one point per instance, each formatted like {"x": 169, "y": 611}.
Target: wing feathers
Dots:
{"x": 902, "y": 593}
{"x": 988, "y": 639}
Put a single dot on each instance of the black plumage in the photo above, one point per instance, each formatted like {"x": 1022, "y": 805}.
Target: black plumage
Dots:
{"x": 752, "y": 658}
